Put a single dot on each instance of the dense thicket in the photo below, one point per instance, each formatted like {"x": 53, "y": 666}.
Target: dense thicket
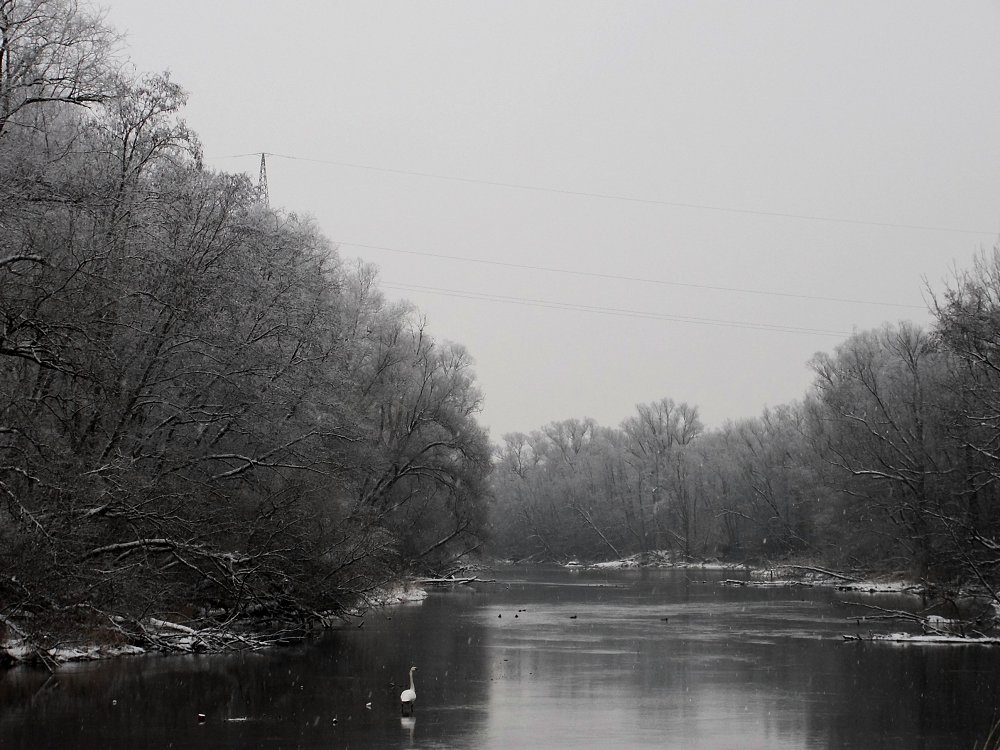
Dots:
{"x": 890, "y": 463}
{"x": 200, "y": 402}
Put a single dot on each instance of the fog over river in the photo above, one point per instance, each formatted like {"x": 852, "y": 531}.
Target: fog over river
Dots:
{"x": 541, "y": 658}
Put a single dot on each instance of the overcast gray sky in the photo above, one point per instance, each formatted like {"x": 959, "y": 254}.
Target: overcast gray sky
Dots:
{"x": 765, "y": 167}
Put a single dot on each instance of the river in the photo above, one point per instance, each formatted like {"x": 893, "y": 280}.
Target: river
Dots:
{"x": 540, "y": 658}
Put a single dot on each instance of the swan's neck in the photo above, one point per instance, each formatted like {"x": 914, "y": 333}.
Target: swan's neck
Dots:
{"x": 411, "y": 681}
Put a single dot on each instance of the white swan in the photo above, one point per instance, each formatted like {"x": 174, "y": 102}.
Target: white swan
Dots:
{"x": 408, "y": 697}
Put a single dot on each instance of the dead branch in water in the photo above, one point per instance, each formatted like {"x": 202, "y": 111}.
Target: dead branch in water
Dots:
{"x": 450, "y": 580}
{"x": 926, "y": 623}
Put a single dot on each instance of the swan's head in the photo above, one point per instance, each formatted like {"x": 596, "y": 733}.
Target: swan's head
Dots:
{"x": 412, "y": 670}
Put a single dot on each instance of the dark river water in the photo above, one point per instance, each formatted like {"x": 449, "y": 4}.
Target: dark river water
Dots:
{"x": 541, "y": 658}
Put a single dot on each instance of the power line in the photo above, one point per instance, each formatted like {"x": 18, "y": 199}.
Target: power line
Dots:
{"x": 530, "y": 302}
{"x": 616, "y": 277}
{"x": 616, "y": 197}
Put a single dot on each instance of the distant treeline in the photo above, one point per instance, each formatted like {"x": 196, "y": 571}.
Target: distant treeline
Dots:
{"x": 200, "y": 402}
{"x": 890, "y": 463}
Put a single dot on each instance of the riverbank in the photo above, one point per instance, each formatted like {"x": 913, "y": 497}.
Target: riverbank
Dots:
{"x": 979, "y": 623}
{"x": 780, "y": 574}
{"x": 657, "y": 559}
{"x": 20, "y": 644}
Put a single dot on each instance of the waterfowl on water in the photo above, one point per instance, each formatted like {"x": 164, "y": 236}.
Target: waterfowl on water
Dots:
{"x": 409, "y": 696}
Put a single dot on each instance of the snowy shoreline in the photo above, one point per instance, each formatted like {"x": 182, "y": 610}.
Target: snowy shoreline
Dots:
{"x": 785, "y": 574}
{"x": 165, "y": 638}
{"x": 926, "y": 639}
{"x": 936, "y": 630}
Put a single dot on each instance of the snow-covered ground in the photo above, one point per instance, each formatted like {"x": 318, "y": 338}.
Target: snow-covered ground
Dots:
{"x": 657, "y": 559}
{"x": 797, "y": 575}
{"x": 20, "y": 650}
{"x": 403, "y": 592}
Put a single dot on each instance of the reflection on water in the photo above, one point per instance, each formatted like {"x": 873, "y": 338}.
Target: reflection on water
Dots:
{"x": 540, "y": 659}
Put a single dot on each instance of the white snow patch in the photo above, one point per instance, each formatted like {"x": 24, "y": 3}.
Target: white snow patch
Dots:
{"x": 657, "y": 559}
{"x": 939, "y": 622}
{"x": 801, "y": 575}
{"x": 21, "y": 650}
{"x": 879, "y": 587}
{"x": 17, "y": 649}
{"x": 401, "y": 593}
{"x": 609, "y": 565}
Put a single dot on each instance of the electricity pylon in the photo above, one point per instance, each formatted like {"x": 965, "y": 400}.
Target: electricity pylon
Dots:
{"x": 262, "y": 181}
